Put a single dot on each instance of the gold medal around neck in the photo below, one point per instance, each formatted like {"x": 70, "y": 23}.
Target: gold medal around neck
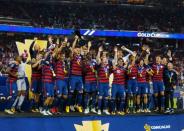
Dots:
{"x": 106, "y": 74}
{"x": 65, "y": 71}
{"x": 140, "y": 75}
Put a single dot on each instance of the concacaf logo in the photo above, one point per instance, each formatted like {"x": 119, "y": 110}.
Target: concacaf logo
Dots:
{"x": 147, "y": 127}
{"x": 92, "y": 126}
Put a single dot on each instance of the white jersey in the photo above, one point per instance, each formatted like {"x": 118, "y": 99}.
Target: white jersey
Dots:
{"x": 21, "y": 70}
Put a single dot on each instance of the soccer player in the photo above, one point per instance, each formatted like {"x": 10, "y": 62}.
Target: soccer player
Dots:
{"x": 118, "y": 85}
{"x": 12, "y": 72}
{"x": 76, "y": 82}
{"x": 103, "y": 85}
{"x": 132, "y": 83}
{"x": 48, "y": 85}
{"x": 61, "y": 83}
{"x": 158, "y": 85}
{"x": 90, "y": 87}
{"x": 36, "y": 82}
{"x": 21, "y": 82}
{"x": 142, "y": 86}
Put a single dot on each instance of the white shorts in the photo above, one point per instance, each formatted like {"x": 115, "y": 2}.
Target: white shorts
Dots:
{"x": 21, "y": 84}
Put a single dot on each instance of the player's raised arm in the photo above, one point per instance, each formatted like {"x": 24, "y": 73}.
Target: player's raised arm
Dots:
{"x": 146, "y": 59}
{"x": 115, "y": 60}
{"x": 98, "y": 55}
{"x": 128, "y": 50}
{"x": 89, "y": 45}
{"x": 31, "y": 51}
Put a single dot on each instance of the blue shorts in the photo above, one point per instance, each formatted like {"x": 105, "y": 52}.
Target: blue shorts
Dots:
{"x": 132, "y": 86}
{"x": 103, "y": 89}
{"x": 158, "y": 86}
{"x": 36, "y": 86}
{"x": 66, "y": 79}
{"x": 61, "y": 87}
{"x": 12, "y": 89}
{"x": 90, "y": 87}
{"x": 149, "y": 88}
{"x": 142, "y": 88}
{"x": 48, "y": 89}
{"x": 76, "y": 83}
{"x": 117, "y": 89}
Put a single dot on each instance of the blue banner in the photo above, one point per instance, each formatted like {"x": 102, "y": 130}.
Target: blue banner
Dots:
{"x": 94, "y": 123}
{"x": 88, "y": 32}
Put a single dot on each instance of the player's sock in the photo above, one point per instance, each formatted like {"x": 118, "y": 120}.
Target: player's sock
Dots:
{"x": 93, "y": 99}
{"x": 56, "y": 102}
{"x": 149, "y": 101}
{"x": 79, "y": 99}
{"x": 113, "y": 105}
{"x": 105, "y": 103}
{"x": 69, "y": 101}
{"x": 21, "y": 100}
{"x": 99, "y": 104}
{"x": 15, "y": 102}
{"x": 145, "y": 105}
{"x": 162, "y": 101}
{"x": 86, "y": 100}
{"x": 122, "y": 104}
{"x": 156, "y": 101}
{"x": 61, "y": 104}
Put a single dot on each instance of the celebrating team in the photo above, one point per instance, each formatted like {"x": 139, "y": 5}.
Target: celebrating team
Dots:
{"x": 78, "y": 78}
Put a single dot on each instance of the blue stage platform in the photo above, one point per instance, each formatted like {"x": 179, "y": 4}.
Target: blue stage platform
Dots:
{"x": 93, "y": 123}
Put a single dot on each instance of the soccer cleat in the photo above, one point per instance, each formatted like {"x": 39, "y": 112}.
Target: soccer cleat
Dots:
{"x": 33, "y": 110}
{"x": 148, "y": 110}
{"x": 37, "y": 110}
{"x": 19, "y": 110}
{"x": 138, "y": 111}
{"x": 79, "y": 108}
{"x": 122, "y": 113}
{"x": 53, "y": 110}
{"x": 93, "y": 110}
{"x": 8, "y": 111}
{"x": 48, "y": 112}
{"x": 72, "y": 108}
{"x": 86, "y": 111}
{"x": 67, "y": 109}
{"x": 156, "y": 109}
{"x": 142, "y": 111}
{"x": 99, "y": 112}
{"x": 13, "y": 109}
{"x": 167, "y": 111}
{"x": 113, "y": 113}
{"x": 106, "y": 112}
{"x": 171, "y": 111}
{"x": 44, "y": 112}
{"x": 127, "y": 111}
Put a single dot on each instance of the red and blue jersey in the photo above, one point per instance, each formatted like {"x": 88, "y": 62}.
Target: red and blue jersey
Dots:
{"x": 90, "y": 75}
{"x": 132, "y": 72}
{"x": 13, "y": 70}
{"x": 76, "y": 65}
{"x": 158, "y": 72}
{"x": 60, "y": 70}
{"x": 47, "y": 75}
{"x": 103, "y": 73}
{"x": 142, "y": 73}
{"x": 119, "y": 75}
{"x": 36, "y": 73}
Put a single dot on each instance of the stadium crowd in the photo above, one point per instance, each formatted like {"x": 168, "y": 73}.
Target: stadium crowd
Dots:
{"x": 78, "y": 76}
{"x": 116, "y": 17}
